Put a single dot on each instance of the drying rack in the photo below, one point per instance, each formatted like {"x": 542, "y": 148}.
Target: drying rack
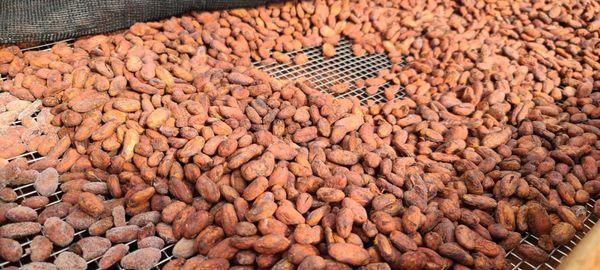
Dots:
{"x": 323, "y": 73}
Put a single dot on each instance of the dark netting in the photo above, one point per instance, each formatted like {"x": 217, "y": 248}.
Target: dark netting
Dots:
{"x": 39, "y": 21}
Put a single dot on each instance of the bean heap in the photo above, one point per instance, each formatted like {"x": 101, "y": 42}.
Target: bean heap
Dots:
{"x": 167, "y": 134}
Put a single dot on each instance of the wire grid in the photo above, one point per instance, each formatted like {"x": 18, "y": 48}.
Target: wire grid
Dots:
{"x": 343, "y": 67}
{"x": 43, "y": 47}
{"x": 33, "y": 116}
{"x": 558, "y": 253}
{"x": 166, "y": 252}
{"x": 323, "y": 73}
{"x": 28, "y": 190}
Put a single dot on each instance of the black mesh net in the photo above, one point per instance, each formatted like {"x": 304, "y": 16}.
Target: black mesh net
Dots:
{"x": 40, "y": 21}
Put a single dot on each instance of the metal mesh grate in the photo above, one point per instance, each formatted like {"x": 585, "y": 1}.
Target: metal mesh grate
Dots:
{"x": 26, "y": 191}
{"x": 343, "y": 67}
{"x": 48, "y": 46}
{"x": 33, "y": 116}
{"x": 43, "y": 47}
{"x": 323, "y": 73}
{"x": 558, "y": 253}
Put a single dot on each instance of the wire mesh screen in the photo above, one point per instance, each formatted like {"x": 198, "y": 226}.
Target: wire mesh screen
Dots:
{"x": 323, "y": 73}
{"x": 343, "y": 67}
{"x": 27, "y": 191}
{"x": 558, "y": 253}
{"x": 43, "y": 47}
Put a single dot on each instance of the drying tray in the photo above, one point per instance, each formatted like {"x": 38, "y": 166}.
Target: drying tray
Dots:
{"x": 322, "y": 73}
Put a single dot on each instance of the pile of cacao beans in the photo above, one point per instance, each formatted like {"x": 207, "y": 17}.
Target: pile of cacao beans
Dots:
{"x": 167, "y": 134}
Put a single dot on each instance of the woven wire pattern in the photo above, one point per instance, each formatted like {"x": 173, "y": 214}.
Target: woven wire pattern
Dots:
{"x": 26, "y": 191}
{"x": 343, "y": 67}
{"x": 323, "y": 73}
{"x": 558, "y": 253}
{"x": 43, "y": 47}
